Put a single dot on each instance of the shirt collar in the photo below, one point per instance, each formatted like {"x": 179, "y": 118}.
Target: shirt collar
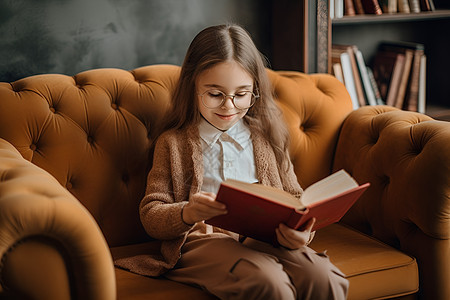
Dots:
{"x": 238, "y": 133}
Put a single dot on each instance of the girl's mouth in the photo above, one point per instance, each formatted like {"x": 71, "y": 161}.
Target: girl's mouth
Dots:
{"x": 226, "y": 117}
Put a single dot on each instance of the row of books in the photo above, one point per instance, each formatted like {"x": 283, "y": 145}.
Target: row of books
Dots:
{"x": 340, "y": 8}
{"x": 397, "y": 76}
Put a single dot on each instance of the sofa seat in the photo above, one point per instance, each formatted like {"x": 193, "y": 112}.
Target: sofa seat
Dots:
{"x": 372, "y": 267}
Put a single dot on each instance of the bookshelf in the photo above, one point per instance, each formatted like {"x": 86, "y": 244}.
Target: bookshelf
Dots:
{"x": 317, "y": 32}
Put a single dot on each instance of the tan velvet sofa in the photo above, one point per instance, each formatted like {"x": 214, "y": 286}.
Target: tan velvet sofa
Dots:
{"x": 75, "y": 151}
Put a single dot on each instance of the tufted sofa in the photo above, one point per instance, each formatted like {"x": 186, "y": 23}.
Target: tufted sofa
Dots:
{"x": 75, "y": 151}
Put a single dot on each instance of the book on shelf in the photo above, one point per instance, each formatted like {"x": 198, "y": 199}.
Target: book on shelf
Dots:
{"x": 399, "y": 100}
{"x": 358, "y": 7}
{"x": 343, "y": 58}
{"x": 367, "y": 85}
{"x": 375, "y": 88}
{"x": 384, "y": 64}
{"x": 337, "y": 72}
{"x": 389, "y": 6}
{"x": 338, "y": 8}
{"x": 403, "y": 6}
{"x": 372, "y": 7}
{"x": 414, "y": 6}
{"x": 349, "y": 9}
{"x": 427, "y": 5}
{"x": 396, "y": 76}
{"x": 255, "y": 210}
{"x": 407, "y": 97}
{"x": 356, "y": 78}
{"x": 421, "y": 106}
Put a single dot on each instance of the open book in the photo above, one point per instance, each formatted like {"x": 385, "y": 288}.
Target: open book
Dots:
{"x": 255, "y": 210}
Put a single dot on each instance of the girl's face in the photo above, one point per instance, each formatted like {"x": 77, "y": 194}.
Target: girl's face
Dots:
{"x": 227, "y": 78}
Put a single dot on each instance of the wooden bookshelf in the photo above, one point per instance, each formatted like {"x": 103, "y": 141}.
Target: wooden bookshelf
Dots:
{"x": 303, "y": 34}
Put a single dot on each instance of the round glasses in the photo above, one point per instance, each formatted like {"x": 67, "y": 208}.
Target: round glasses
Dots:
{"x": 216, "y": 98}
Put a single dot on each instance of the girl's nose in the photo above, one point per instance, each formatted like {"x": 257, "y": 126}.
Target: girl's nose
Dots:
{"x": 228, "y": 103}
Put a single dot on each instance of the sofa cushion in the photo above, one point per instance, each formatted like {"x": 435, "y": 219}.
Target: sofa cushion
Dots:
{"x": 374, "y": 269}
{"x": 135, "y": 287}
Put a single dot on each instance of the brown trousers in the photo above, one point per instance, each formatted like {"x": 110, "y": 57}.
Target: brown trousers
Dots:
{"x": 255, "y": 270}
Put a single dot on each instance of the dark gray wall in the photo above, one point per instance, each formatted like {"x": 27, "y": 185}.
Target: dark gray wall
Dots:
{"x": 70, "y": 36}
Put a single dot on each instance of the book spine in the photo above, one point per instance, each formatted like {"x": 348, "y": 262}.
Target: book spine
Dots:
{"x": 403, "y": 6}
{"x": 348, "y": 79}
{"x": 414, "y": 6}
{"x": 390, "y": 6}
{"x": 372, "y": 7}
{"x": 358, "y": 7}
{"x": 395, "y": 80}
{"x": 413, "y": 88}
{"x": 404, "y": 79}
{"x": 425, "y": 5}
{"x": 296, "y": 218}
{"x": 376, "y": 90}
{"x": 365, "y": 78}
{"x": 349, "y": 9}
{"x": 422, "y": 84}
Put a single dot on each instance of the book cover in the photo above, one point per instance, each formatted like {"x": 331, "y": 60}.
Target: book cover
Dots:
{"x": 256, "y": 211}
{"x": 372, "y": 7}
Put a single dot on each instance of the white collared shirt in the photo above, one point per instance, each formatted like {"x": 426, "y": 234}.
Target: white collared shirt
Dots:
{"x": 226, "y": 155}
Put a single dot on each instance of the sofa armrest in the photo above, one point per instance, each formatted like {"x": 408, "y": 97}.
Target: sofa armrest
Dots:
{"x": 36, "y": 212}
{"x": 406, "y": 158}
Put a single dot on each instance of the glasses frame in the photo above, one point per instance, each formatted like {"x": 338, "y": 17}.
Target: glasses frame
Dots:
{"x": 231, "y": 96}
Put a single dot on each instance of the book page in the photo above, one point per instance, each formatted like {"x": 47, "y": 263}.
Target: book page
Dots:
{"x": 266, "y": 192}
{"x": 332, "y": 185}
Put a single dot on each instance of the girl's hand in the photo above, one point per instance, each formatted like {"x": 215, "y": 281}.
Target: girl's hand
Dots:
{"x": 202, "y": 206}
{"x": 294, "y": 239}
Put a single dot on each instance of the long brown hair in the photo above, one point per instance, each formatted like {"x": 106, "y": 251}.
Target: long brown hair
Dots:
{"x": 218, "y": 44}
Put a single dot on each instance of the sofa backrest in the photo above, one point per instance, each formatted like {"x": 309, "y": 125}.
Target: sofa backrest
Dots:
{"x": 93, "y": 132}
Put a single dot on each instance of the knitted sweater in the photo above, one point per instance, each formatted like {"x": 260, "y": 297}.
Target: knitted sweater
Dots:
{"x": 177, "y": 172}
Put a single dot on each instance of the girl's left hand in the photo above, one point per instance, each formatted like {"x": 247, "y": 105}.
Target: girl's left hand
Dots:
{"x": 294, "y": 239}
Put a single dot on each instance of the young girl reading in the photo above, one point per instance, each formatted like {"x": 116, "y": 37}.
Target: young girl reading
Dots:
{"x": 224, "y": 124}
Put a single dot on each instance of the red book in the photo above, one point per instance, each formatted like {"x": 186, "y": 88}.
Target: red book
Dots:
{"x": 255, "y": 210}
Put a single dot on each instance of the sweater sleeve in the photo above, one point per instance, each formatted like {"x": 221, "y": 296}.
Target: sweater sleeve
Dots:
{"x": 161, "y": 208}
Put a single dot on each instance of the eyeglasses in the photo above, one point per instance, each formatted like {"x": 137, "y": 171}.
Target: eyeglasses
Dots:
{"x": 216, "y": 98}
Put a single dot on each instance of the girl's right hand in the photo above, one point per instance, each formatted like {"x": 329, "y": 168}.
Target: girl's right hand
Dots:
{"x": 202, "y": 206}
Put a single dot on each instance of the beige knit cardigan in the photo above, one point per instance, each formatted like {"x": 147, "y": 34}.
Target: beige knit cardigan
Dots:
{"x": 176, "y": 174}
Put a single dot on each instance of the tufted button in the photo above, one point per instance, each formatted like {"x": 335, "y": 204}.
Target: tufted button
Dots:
{"x": 125, "y": 177}
{"x": 114, "y": 106}
{"x": 33, "y": 147}
{"x": 90, "y": 139}
{"x": 69, "y": 185}
{"x": 52, "y": 109}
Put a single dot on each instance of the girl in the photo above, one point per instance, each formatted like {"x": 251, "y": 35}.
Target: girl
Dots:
{"x": 225, "y": 124}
